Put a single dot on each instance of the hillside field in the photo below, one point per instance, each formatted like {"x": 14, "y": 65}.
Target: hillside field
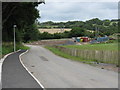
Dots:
{"x": 52, "y": 31}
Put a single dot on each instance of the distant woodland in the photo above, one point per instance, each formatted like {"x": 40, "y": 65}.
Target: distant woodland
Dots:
{"x": 25, "y": 14}
{"x": 91, "y": 28}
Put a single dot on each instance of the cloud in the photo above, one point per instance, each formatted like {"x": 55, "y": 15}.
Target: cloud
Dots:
{"x": 66, "y": 11}
{"x": 82, "y": 1}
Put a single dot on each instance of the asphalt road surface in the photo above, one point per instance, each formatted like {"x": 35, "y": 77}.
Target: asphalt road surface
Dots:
{"x": 57, "y": 72}
{"x": 14, "y": 75}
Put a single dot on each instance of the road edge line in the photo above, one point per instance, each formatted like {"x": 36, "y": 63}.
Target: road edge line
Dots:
{"x": 1, "y": 64}
{"x": 29, "y": 71}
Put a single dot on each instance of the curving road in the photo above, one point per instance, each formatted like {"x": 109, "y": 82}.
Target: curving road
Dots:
{"x": 14, "y": 74}
{"x": 57, "y": 72}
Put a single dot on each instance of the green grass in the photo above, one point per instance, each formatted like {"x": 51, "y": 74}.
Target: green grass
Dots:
{"x": 109, "y": 46}
{"x": 62, "y": 54}
{"x": 8, "y": 47}
{"x": 22, "y": 47}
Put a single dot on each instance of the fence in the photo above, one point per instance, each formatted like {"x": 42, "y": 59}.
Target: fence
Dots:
{"x": 99, "y": 56}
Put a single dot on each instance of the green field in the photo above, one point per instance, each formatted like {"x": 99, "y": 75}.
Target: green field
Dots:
{"x": 109, "y": 46}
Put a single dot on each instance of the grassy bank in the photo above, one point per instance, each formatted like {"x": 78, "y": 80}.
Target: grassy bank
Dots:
{"x": 109, "y": 46}
{"x": 62, "y": 54}
{"x": 8, "y": 47}
{"x": 106, "y": 53}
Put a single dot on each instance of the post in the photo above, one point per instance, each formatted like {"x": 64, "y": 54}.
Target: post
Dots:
{"x": 96, "y": 32}
{"x": 14, "y": 38}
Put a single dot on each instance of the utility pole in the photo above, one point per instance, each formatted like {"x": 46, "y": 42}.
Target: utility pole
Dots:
{"x": 14, "y": 26}
{"x": 96, "y": 31}
{"x": 63, "y": 28}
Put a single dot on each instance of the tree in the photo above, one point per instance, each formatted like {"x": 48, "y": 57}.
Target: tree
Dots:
{"x": 95, "y": 21}
{"x": 89, "y": 34}
{"x": 57, "y": 36}
{"x": 106, "y": 22}
{"x": 45, "y": 35}
{"x": 31, "y": 33}
{"x": 77, "y": 32}
{"x": 23, "y": 14}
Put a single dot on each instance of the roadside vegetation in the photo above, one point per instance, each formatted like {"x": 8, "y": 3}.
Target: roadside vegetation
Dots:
{"x": 23, "y": 15}
{"x": 9, "y": 47}
{"x": 102, "y": 48}
{"x": 62, "y": 54}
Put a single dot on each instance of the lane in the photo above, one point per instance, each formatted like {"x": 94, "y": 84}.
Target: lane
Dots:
{"x": 57, "y": 72}
{"x": 14, "y": 75}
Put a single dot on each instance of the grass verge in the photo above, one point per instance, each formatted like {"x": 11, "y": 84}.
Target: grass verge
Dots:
{"x": 8, "y": 47}
{"x": 62, "y": 54}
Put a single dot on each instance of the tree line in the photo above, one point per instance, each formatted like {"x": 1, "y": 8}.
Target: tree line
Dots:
{"x": 91, "y": 28}
{"x": 25, "y": 14}
{"x": 89, "y": 24}
{"x": 75, "y": 32}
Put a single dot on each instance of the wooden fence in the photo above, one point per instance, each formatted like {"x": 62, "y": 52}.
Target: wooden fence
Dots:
{"x": 99, "y": 56}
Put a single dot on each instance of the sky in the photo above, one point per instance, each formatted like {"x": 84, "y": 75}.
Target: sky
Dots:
{"x": 77, "y": 10}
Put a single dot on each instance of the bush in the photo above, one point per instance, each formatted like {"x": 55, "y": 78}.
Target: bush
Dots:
{"x": 8, "y": 47}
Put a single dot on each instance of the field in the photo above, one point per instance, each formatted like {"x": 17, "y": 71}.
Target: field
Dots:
{"x": 110, "y": 46}
{"x": 52, "y": 31}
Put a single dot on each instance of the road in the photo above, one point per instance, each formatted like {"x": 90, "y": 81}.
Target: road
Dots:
{"x": 14, "y": 74}
{"x": 57, "y": 72}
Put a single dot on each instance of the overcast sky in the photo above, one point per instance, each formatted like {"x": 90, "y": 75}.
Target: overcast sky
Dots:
{"x": 60, "y": 11}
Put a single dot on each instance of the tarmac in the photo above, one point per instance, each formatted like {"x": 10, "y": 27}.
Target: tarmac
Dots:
{"x": 57, "y": 72}
{"x": 14, "y": 75}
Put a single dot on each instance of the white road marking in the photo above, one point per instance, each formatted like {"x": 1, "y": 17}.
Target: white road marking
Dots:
{"x": 3, "y": 59}
{"x": 1, "y": 63}
{"x": 29, "y": 71}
